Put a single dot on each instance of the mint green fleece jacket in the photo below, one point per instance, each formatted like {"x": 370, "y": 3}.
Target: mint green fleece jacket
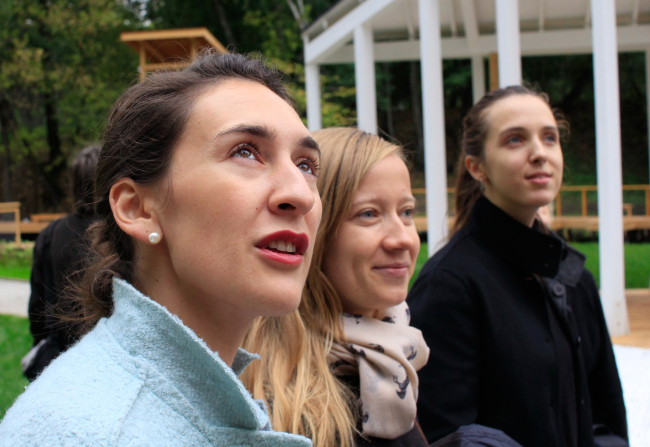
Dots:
{"x": 140, "y": 378}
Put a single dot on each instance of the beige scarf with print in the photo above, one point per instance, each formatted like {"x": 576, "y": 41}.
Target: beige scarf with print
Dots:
{"x": 386, "y": 353}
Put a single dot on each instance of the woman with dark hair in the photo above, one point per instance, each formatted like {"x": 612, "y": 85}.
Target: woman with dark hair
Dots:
{"x": 206, "y": 191}
{"x": 516, "y": 329}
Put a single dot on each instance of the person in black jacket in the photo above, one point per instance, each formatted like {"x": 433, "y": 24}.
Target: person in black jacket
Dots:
{"x": 514, "y": 322}
{"x": 60, "y": 250}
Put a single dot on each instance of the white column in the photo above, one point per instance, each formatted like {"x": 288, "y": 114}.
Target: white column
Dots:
{"x": 608, "y": 158}
{"x": 433, "y": 123}
{"x": 312, "y": 93}
{"x": 364, "y": 72}
{"x": 647, "y": 94}
{"x": 508, "y": 46}
{"x": 478, "y": 78}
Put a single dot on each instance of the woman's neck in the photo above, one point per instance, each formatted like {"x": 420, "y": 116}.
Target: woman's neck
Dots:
{"x": 221, "y": 328}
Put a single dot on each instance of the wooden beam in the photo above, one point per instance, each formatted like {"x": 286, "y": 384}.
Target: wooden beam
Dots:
{"x": 166, "y": 66}
{"x": 470, "y": 24}
{"x": 148, "y": 47}
{"x": 452, "y": 18}
{"x": 193, "y": 46}
{"x": 494, "y": 71}
{"x": 635, "y": 12}
{"x": 336, "y": 35}
{"x": 143, "y": 63}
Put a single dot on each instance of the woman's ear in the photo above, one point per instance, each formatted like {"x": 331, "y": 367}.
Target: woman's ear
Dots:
{"x": 474, "y": 166}
{"x": 131, "y": 204}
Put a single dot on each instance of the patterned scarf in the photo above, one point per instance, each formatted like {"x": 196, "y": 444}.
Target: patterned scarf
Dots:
{"x": 386, "y": 353}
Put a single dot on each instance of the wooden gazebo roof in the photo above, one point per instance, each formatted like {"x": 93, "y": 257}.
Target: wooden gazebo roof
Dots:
{"x": 169, "y": 49}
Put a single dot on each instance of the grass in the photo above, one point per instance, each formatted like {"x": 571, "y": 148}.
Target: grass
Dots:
{"x": 15, "y": 272}
{"x": 637, "y": 263}
{"x": 15, "y": 341}
{"x": 16, "y": 260}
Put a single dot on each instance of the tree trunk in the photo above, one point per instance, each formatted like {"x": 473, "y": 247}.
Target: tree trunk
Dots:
{"x": 223, "y": 21}
{"x": 5, "y": 122}
{"x": 416, "y": 108}
{"x": 57, "y": 163}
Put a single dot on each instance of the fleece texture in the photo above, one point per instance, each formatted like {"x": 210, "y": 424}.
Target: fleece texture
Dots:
{"x": 140, "y": 378}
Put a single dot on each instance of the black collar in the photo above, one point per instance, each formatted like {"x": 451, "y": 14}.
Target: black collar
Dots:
{"x": 526, "y": 249}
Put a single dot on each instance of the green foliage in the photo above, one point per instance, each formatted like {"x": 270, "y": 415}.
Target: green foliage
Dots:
{"x": 16, "y": 255}
{"x": 61, "y": 67}
{"x": 15, "y": 341}
{"x": 271, "y": 29}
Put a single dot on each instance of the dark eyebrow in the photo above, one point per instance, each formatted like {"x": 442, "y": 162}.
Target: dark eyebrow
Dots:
{"x": 258, "y": 131}
{"x": 267, "y": 134}
{"x": 309, "y": 143}
{"x": 523, "y": 129}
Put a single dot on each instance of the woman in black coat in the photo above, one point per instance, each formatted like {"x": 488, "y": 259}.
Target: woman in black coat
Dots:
{"x": 514, "y": 322}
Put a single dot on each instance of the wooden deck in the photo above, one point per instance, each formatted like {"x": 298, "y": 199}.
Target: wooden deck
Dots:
{"x": 638, "y": 309}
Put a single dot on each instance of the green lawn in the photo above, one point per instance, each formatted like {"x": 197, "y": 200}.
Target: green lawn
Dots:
{"x": 16, "y": 271}
{"x": 15, "y": 341}
{"x": 637, "y": 262}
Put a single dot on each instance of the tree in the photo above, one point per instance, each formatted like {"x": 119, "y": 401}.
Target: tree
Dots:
{"x": 61, "y": 66}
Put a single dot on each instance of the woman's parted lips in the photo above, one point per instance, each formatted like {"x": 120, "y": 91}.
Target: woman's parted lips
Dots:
{"x": 300, "y": 240}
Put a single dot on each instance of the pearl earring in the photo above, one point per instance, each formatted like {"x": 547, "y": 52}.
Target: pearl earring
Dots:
{"x": 481, "y": 185}
{"x": 154, "y": 237}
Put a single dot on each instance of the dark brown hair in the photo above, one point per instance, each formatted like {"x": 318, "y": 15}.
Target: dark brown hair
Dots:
{"x": 475, "y": 130}
{"x": 143, "y": 128}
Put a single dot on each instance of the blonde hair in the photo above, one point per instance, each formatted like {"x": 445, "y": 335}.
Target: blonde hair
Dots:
{"x": 293, "y": 376}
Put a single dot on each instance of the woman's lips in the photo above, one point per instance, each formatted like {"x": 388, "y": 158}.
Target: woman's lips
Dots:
{"x": 394, "y": 270}
{"x": 285, "y": 247}
{"x": 540, "y": 179}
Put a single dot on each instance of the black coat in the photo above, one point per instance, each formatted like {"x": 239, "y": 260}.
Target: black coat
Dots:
{"x": 517, "y": 336}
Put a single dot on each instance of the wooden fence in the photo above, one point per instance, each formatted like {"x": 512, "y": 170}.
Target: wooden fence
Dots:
{"x": 581, "y": 221}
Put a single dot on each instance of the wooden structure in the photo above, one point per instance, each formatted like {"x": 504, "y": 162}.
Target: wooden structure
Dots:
{"x": 638, "y": 304}
{"x": 9, "y": 227}
{"x": 171, "y": 49}
{"x": 584, "y": 221}
{"x": 35, "y": 224}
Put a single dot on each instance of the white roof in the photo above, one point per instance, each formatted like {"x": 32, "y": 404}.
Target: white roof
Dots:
{"x": 468, "y": 28}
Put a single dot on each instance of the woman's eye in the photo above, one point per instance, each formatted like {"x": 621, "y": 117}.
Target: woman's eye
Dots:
{"x": 513, "y": 140}
{"x": 551, "y": 138}
{"x": 408, "y": 213}
{"x": 367, "y": 214}
{"x": 305, "y": 167}
{"x": 245, "y": 151}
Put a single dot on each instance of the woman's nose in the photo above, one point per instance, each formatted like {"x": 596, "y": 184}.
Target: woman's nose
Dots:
{"x": 398, "y": 236}
{"x": 292, "y": 193}
{"x": 538, "y": 151}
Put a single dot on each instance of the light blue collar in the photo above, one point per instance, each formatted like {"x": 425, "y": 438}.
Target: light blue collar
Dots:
{"x": 148, "y": 331}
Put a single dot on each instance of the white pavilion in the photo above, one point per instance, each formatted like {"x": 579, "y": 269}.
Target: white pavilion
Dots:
{"x": 367, "y": 31}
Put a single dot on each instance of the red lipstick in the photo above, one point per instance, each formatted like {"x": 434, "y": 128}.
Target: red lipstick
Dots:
{"x": 299, "y": 240}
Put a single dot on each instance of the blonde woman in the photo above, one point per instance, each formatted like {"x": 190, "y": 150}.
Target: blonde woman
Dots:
{"x": 342, "y": 370}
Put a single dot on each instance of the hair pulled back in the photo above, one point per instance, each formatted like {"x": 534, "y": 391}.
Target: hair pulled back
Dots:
{"x": 143, "y": 127}
{"x": 475, "y": 131}
{"x": 293, "y": 376}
